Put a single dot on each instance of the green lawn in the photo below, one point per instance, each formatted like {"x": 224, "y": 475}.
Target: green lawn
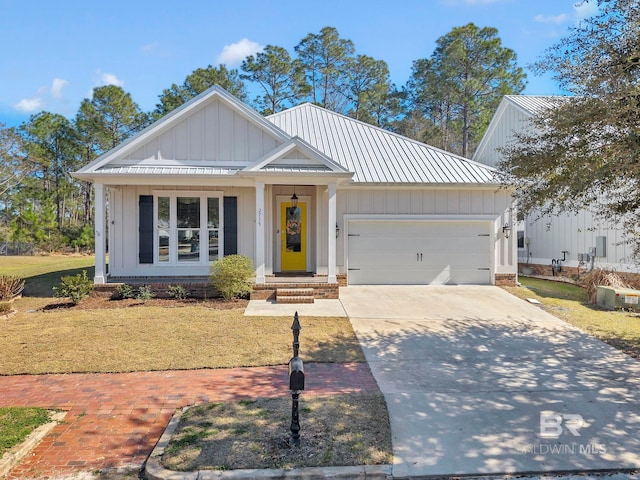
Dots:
{"x": 17, "y": 423}
{"x": 568, "y": 302}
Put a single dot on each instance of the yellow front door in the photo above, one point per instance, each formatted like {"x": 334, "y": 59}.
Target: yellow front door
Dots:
{"x": 293, "y": 237}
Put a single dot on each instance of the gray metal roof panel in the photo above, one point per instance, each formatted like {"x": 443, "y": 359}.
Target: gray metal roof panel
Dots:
{"x": 377, "y": 155}
{"x": 167, "y": 170}
{"x": 535, "y": 103}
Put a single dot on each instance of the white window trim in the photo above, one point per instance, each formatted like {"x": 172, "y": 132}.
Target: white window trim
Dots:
{"x": 173, "y": 226}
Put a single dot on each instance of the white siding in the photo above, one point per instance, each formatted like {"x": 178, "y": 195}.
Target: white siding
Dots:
{"x": 213, "y": 133}
{"x": 575, "y": 233}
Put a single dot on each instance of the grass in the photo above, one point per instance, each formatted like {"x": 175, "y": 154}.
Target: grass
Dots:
{"x": 337, "y": 430}
{"x": 568, "y": 302}
{"x": 17, "y": 423}
{"x": 43, "y": 272}
{"x": 141, "y": 337}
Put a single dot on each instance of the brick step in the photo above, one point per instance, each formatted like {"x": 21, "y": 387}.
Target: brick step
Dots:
{"x": 294, "y": 292}
{"x": 298, "y": 299}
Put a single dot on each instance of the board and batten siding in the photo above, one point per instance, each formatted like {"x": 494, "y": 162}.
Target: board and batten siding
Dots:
{"x": 575, "y": 233}
{"x": 214, "y": 133}
{"x": 500, "y": 134}
{"x": 124, "y": 221}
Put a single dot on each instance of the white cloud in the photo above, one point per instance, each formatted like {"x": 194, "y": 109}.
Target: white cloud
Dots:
{"x": 235, "y": 53}
{"x": 39, "y": 100}
{"x": 563, "y": 17}
{"x": 29, "y": 105}
{"x": 585, "y": 9}
{"x": 57, "y": 86}
{"x": 111, "y": 79}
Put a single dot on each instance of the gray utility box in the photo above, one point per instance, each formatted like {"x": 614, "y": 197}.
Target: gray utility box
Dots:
{"x": 618, "y": 298}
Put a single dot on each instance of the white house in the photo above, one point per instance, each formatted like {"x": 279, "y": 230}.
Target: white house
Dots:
{"x": 214, "y": 178}
{"x": 576, "y": 240}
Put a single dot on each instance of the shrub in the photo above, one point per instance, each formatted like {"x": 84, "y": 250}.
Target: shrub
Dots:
{"x": 178, "y": 292}
{"x": 125, "y": 291}
{"x": 10, "y": 287}
{"x": 145, "y": 293}
{"x": 5, "y": 308}
{"x": 232, "y": 276}
{"x": 75, "y": 287}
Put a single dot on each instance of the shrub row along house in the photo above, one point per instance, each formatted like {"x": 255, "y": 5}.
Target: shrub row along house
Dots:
{"x": 304, "y": 192}
{"x": 575, "y": 242}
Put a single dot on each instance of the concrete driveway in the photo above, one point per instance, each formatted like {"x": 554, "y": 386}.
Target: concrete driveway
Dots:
{"x": 480, "y": 382}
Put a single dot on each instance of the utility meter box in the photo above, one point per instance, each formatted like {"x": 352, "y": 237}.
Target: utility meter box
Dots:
{"x": 618, "y": 298}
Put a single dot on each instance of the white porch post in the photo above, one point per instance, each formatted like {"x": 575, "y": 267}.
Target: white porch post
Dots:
{"x": 331, "y": 257}
{"x": 100, "y": 233}
{"x": 260, "y": 268}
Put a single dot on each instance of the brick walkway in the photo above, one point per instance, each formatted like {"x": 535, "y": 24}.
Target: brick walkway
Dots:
{"x": 115, "y": 420}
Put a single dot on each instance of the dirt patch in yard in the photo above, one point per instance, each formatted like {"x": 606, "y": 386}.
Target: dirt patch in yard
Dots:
{"x": 337, "y": 430}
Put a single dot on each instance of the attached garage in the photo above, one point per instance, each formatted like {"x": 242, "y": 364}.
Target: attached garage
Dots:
{"x": 424, "y": 252}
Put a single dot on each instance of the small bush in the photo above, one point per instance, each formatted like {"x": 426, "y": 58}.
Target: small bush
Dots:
{"x": 125, "y": 291}
{"x": 5, "y": 308}
{"x": 10, "y": 287}
{"x": 178, "y": 292}
{"x": 232, "y": 276}
{"x": 145, "y": 293}
{"x": 75, "y": 287}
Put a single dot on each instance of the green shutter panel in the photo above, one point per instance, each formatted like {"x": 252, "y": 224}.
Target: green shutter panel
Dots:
{"x": 145, "y": 229}
{"x": 230, "y": 208}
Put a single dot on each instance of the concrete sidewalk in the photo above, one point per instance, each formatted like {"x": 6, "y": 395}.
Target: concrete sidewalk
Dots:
{"x": 469, "y": 374}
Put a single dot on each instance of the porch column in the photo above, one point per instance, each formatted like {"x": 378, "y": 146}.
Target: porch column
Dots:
{"x": 100, "y": 234}
{"x": 331, "y": 257}
{"x": 260, "y": 269}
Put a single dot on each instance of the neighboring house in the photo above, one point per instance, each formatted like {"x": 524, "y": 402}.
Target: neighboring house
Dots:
{"x": 214, "y": 178}
{"x": 578, "y": 240}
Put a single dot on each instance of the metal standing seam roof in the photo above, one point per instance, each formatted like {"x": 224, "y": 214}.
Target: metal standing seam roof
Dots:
{"x": 167, "y": 170}
{"x": 535, "y": 103}
{"x": 377, "y": 155}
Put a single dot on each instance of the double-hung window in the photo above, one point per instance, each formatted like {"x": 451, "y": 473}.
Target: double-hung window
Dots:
{"x": 188, "y": 227}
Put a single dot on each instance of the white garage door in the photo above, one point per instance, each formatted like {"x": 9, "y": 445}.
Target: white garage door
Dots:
{"x": 419, "y": 253}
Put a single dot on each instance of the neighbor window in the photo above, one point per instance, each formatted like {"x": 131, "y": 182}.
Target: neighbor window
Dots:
{"x": 188, "y": 227}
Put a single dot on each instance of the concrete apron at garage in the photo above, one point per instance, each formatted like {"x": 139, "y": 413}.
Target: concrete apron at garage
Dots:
{"x": 469, "y": 373}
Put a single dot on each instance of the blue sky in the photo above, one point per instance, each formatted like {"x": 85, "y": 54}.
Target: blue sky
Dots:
{"x": 55, "y": 53}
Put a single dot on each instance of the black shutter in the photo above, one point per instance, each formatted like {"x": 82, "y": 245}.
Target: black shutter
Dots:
{"x": 230, "y": 207}
{"x": 145, "y": 229}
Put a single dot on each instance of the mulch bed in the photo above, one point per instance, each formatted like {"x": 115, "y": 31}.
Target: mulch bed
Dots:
{"x": 99, "y": 302}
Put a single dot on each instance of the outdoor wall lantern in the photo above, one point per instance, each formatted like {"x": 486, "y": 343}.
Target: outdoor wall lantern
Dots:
{"x": 337, "y": 231}
{"x": 294, "y": 198}
{"x": 506, "y": 230}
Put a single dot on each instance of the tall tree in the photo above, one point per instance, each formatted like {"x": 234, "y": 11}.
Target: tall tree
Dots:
{"x": 52, "y": 146}
{"x": 197, "y": 82}
{"x": 13, "y": 160}
{"x": 324, "y": 58}
{"x": 586, "y": 151}
{"x": 108, "y": 118}
{"x": 460, "y": 86}
{"x": 280, "y": 78}
{"x": 368, "y": 89}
